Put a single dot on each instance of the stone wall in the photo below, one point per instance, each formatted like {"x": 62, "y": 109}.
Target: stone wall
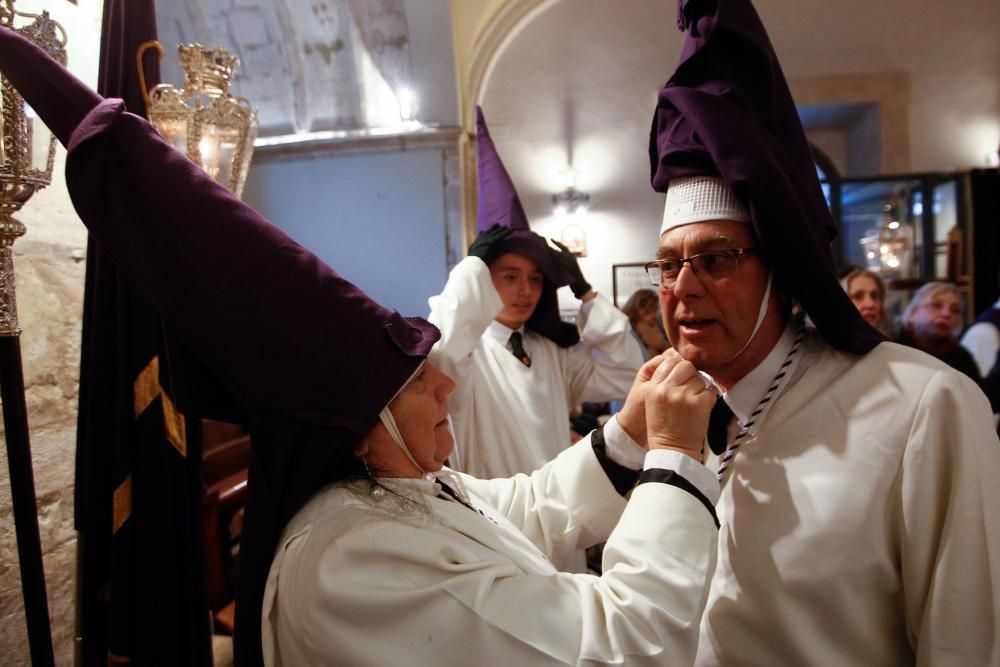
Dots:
{"x": 49, "y": 268}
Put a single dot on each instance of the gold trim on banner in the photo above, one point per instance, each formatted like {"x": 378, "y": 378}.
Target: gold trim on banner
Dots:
{"x": 122, "y": 504}
{"x": 145, "y": 389}
{"x": 173, "y": 422}
{"x": 146, "y": 386}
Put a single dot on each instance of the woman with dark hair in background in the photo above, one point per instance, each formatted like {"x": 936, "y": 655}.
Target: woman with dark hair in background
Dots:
{"x": 643, "y": 311}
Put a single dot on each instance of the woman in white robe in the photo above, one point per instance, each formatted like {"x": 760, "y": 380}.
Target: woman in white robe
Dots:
{"x": 397, "y": 571}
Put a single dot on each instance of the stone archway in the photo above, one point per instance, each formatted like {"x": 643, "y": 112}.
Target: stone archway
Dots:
{"x": 510, "y": 18}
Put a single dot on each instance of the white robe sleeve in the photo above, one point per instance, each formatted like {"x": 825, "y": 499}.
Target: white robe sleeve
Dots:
{"x": 949, "y": 527}
{"x": 603, "y": 366}
{"x": 982, "y": 340}
{"x": 566, "y": 505}
{"x": 463, "y": 312}
{"x": 422, "y": 593}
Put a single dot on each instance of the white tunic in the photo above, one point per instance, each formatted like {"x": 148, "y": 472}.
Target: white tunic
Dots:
{"x": 982, "y": 340}
{"x": 861, "y": 525}
{"x": 358, "y": 580}
{"x": 510, "y": 418}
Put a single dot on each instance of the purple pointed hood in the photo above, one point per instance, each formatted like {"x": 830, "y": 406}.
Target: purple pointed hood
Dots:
{"x": 500, "y": 205}
{"x": 310, "y": 356}
{"x": 727, "y": 111}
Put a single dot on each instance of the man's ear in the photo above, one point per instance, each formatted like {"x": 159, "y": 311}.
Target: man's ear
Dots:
{"x": 361, "y": 451}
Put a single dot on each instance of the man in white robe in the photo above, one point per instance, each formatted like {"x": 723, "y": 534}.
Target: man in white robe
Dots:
{"x": 858, "y": 513}
{"x": 511, "y": 411}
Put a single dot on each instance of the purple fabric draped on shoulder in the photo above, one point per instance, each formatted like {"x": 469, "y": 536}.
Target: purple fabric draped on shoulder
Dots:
{"x": 727, "y": 111}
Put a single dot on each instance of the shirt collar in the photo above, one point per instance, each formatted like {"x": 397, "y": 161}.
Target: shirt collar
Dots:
{"x": 429, "y": 485}
{"x": 743, "y": 396}
{"x": 501, "y": 333}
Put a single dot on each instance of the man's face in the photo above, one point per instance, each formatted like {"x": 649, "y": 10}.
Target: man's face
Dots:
{"x": 936, "y": 318}
{"x": 518, "y": 281}
{"x": 709, "y": 321}
{"x": 421, "y": 413}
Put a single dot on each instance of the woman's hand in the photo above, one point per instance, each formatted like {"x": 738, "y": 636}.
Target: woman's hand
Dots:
{"x": 678, "y": 404}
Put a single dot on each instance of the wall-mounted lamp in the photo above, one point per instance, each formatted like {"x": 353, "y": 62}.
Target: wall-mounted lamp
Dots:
{"x": 407, "y": 100}
{"x": 571, "y": 201}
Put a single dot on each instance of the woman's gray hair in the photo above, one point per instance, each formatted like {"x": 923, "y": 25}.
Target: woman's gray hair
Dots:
{"x": 928, "y": 292}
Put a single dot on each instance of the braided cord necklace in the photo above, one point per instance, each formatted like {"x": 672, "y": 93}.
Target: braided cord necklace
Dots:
{"x": 782, "y": 377}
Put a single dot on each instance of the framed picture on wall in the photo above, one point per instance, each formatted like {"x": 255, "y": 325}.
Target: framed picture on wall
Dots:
{"x": 626, "y": 279}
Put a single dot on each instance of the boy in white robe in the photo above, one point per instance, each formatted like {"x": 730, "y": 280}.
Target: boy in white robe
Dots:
{"x": 511, "y": 409}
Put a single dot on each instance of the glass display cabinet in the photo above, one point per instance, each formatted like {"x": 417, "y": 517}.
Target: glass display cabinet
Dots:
{"x": 914, "y": 228}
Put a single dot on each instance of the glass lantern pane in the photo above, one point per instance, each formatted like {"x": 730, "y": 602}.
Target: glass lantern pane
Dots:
{"x": 39, "y": 140}
{"x": 876, "y": 238}
{"x": 218, "y": 150}
{"x": 174, "y": 131}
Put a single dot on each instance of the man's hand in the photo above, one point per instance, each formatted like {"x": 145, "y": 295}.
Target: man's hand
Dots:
{"x": 487, "y": 245}
{"x": 632, "y": 416}
{"x": 568, "y": 261}
{"x": 678, "y": 404}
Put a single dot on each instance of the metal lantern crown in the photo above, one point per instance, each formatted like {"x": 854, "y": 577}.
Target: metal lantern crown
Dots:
{"x": 213, "y": 128}
{"x": 27, "y": 146}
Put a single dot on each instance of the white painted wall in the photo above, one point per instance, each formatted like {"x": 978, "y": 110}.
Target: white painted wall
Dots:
{"x": 378, "y": 219}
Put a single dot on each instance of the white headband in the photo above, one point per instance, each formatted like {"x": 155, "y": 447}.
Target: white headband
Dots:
{"x": 700, "y": 198}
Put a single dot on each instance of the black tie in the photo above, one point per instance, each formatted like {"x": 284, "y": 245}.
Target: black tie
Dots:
{"x": 718, "y": 426}
{"x": 518, "y": 349}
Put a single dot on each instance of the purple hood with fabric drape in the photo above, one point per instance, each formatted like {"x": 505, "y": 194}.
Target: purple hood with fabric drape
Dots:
{"x": 727, "y": 111}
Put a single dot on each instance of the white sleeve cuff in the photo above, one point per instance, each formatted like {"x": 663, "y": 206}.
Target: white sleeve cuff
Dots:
{"x": 701, "y": 477}
{"x": 620, "y": 448}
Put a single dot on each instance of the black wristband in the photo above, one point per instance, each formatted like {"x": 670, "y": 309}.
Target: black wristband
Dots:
{"x": 622, "y": 478}
{"x": 580, "y": 288}
{"x": 672, "y": 478}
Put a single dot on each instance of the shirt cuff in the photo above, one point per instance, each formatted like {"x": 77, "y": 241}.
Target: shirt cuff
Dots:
{"x": 700, "y": 477}
{"x": 620, "y": 448}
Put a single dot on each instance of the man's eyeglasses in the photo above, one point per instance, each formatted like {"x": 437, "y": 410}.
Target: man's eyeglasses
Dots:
{"x": 711, "y": 265}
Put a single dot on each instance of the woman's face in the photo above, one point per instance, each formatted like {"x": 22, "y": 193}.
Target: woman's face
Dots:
{"x": 421, "y": 414}
{"x": 867, "y": 298}
{"x": 937, "y": 318}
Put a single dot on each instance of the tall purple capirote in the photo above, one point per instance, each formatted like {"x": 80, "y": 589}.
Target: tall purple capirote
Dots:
{"x": 309, "y": 355}
{"x": 727, "y": 111}
{"x": 500, "y": 205}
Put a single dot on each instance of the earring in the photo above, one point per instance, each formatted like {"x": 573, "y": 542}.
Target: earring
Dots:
{"x": 377, "y": 489}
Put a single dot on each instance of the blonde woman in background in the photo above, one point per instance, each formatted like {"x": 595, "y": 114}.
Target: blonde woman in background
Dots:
{"x": 932, "y": 322}
{"x": 867, "y": 291}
